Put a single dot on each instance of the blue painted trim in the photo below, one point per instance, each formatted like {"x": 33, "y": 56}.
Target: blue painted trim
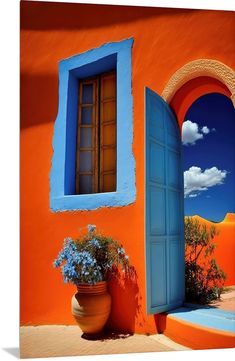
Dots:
{"x": 116, "y": 55}
{"x": 207, "y": 317}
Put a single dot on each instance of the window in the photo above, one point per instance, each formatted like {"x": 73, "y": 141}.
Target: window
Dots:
{"x": 96, "y": 136}
{"x": 93, "y": 164}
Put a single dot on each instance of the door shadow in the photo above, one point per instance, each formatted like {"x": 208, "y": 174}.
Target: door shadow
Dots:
{"x": 124, "y": 291}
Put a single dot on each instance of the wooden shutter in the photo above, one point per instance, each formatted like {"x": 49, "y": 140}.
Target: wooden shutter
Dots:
{"x": 107, "y": 166}
{"x": 87, "y": 138}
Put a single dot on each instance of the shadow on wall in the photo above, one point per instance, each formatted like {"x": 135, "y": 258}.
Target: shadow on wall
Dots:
{"x": 38, "y": 99}
{"x": 125, "y": 303}
{"x": 42, "y": 16}
{"x": 160, "y": 322}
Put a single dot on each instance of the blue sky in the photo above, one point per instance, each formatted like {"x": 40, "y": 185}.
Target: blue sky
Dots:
{"x": 209, "y": 157}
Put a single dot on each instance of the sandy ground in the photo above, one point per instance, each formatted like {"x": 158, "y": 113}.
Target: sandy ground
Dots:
{"x": 47, "y": 341}
{"x": 227, "y": 301}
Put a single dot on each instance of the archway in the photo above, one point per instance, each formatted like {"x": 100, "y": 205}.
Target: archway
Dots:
{"x": 194, "y": 79}
{"x": 209, "y": 171}
{"x": 209, "y": 157}
{"x": 164, "y": 117}
{"x": 200, "y": 68}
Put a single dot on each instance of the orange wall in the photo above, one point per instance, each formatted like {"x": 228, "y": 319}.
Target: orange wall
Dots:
{"x": 225, "y": 251}
{"x": 164, "y": 40}
{"x": 225, "y": 245}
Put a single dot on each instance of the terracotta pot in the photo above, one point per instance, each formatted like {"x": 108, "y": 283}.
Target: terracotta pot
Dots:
{"x": 91, "y": 307}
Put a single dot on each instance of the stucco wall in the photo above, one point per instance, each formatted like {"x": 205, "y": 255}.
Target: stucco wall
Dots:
{"x": 225, "y": 245}
{"x": 164, "y": 40}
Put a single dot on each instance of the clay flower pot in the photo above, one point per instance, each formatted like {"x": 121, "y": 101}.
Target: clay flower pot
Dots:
{"x": 91, "y": 307}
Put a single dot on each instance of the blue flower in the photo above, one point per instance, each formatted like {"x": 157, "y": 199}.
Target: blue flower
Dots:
{"x": 91, "y": 228}
{"x": 95, "y": 243}
{"x": 121, "y": 251}
{"x": 56, "y": 263}
{"x": 85, "y": 263}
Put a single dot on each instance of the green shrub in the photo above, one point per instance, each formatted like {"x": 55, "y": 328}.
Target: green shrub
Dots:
{"x": 204, "y": 279}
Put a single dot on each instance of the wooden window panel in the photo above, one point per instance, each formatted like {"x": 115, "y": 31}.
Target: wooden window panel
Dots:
{"x": 109, "y": 181}
{"x": 107, "y": 167}
{"x": 87, "y": 138}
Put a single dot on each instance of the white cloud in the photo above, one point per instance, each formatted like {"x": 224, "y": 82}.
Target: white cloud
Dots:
{"x": 191, "y": 132}
{"x": 196, "y": 180}
{"x": 193, "y": 195}
{"x": 205, "y": 130}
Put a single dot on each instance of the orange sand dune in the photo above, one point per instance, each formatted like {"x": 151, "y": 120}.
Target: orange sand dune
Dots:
{"x": 225, "y": 241}
{"x": 230, "y": 217}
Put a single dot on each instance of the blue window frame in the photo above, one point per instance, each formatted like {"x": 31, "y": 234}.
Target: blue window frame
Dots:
{"x": 110, "y": 56}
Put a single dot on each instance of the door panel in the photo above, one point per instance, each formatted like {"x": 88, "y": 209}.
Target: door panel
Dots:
{"x": 164, "y": 232}
{"x": 158, "y": 250}
{"x": 157, "y": 152}
{"x": 175, "y": 289}
{"x": 157, "y": 220}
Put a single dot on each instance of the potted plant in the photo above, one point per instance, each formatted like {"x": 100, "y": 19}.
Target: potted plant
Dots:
{"x": 89, "y": 262}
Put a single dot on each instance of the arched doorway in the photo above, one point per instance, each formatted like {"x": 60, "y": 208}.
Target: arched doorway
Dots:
{"x": 189, "y": 83}
{"x": 209, "y": 157}
{"x": 190, "y": 90}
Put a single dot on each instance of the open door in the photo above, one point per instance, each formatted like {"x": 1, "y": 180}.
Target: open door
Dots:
{"x": 164, "y": 202}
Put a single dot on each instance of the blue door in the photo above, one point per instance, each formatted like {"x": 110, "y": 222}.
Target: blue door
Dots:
{"x": 164, "y": 213}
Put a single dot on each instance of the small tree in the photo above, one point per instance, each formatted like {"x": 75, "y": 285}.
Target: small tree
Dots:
{"x": 204, "y": 279}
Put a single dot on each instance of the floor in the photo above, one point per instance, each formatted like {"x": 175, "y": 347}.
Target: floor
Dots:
{"x": 204, "y": 326}
{"x": 52, "y": 341}
{"x": 227, "y": 300}
{"x": 46, "y": 341}
{"x": 205, "y": 316}
{"x": 217, "y": 315}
